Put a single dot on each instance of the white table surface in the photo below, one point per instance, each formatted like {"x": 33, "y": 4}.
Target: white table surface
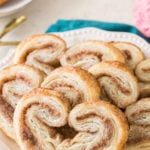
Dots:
{"x": 42, "y": 13}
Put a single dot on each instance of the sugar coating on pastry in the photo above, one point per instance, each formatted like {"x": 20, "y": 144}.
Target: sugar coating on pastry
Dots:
{"x": 41, "y": 51}
{"x": 37, "y": 116}
{"x": 76, "y": 84}
{"x": 88, "y": 53}
{"x": 100, "y": 126}
{"x": 15, "y": 81}
{"x": 118, "y": 83}
{"x": 138, "y": 115}
{"x": 132, "y": 53}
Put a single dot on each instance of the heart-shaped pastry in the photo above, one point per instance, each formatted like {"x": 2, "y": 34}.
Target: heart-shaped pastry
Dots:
{"x": 37, "y": 117}
{"x": 76, "y": 84}
{"x": 117, "y": 81}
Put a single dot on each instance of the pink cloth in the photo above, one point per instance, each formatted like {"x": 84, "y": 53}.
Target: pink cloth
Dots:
{"x": 142, "y": 16}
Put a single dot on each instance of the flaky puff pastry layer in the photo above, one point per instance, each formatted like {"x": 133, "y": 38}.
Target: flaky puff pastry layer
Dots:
{"x": 100, "y": 126}
{"x": 42, "y": 51}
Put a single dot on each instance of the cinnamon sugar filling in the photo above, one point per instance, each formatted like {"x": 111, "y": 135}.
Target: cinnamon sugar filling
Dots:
{"x": 58, "y": 87}
{"x": 82, "y": 54}
{"x": 51, "y": 47}
{"x": 127, "y": 54}
{"x": 108, "y": 132}
{"x": 6, "y": 109}
{"x": 118, "y": 84}
{"x": 26, "y": 132}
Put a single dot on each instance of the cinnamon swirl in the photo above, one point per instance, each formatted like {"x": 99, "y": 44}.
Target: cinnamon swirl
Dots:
{"x": 100, "y": 126}
{"x": 15, "y": 81}
{"x": 37, "y": 117}
{"x": 117, "y": 82}
{"x": 76, "y": 84}
{"x": 41, "y": 51}
{"x": 88, "y": 53}
{"x": 132, "y": 53}
{"x": 138, "y": 115}
{"x": 142, "y": 71}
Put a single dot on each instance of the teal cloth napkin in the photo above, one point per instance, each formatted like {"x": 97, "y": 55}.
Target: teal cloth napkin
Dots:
{"x": 66, "y": 25}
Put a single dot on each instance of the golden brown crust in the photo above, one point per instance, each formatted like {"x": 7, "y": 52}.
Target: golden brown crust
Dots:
{"x": 73, "y": 81}
{"x": 118, "y": 82}
{"x": 42, "y": 51}
{"x": 36, "y": 116}
{"x": 89, "y": 118}
{"x": 88, "y": 53}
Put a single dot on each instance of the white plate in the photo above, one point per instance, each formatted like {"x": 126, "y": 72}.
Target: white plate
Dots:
{"x": 72, "y": 37}
{"x": 12, "y": 6}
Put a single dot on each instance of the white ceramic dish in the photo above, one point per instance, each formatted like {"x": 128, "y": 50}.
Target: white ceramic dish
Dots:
{"x": 12, "y": 6}
{"x": 72, "y": 37}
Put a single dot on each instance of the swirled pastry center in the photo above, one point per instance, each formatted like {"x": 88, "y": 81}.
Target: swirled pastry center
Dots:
{"x": 70, "y": 91}
{"x": 85, "y": 59}
{"x": 141, "y": 117}
{"x": 13, "y": 90}
{"x": 113, "y": 86}
{"x": 35, "y": 125}
{"x": 45, "y": 58}
{"x": 96, "y": 131}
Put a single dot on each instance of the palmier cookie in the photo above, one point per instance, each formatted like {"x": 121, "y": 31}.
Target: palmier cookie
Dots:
{"x": 88, "y": 53}
{"x": 132, "y": 53}
{"x": 41, "y": 51}
{"x": 37, "y": 117}
{"x": 76, "y": 84}
{"x": 100, "y": 126}
{"x": 117, "y": 81}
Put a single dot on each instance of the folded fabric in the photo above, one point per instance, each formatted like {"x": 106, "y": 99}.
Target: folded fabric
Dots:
{"x": 66, "y": 25}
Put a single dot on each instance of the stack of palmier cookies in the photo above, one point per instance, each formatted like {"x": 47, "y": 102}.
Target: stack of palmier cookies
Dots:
{"x": 94, "y": 95}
